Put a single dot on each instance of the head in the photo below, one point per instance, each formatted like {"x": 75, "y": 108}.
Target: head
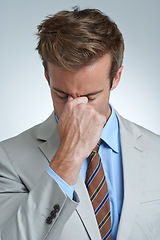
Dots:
{"x": 74, "y": 39}
{"x": 82, "y": 53}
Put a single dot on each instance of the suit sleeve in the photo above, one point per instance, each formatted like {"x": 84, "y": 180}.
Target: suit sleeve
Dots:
{"x": 23, "y": 214}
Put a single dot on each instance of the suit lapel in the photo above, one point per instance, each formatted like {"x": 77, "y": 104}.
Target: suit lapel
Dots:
{"x": 132, "y": 161}
{"x": 85, "y": 210}
{"x": 48, "y": 133}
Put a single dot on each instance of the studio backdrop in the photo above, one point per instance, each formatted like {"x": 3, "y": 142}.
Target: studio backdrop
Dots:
{"x": 24, "y": 93}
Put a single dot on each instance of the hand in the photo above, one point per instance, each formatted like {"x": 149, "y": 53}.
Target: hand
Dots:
{"x": 80, "y": 127}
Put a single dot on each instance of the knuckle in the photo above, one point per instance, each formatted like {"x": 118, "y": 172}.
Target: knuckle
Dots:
{"x": 70, "y": 105}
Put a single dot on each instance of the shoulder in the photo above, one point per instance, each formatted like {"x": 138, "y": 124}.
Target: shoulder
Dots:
{"x": 31, "y": 137}
{"x": 136, "y": 131}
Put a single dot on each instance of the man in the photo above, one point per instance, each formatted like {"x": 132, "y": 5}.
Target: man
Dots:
{"x": 44, "y": 170}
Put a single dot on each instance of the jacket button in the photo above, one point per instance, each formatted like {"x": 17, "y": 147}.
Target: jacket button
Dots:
{"x": 49, "y": 220}
{"x": 53, "y": 214}
{"x": 56, "y": 208}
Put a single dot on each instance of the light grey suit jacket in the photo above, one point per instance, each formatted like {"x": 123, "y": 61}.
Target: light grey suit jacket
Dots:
{"x": 28, "y": 193}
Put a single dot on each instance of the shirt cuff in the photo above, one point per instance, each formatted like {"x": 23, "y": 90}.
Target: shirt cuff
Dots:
{"x": 64, "y": 186}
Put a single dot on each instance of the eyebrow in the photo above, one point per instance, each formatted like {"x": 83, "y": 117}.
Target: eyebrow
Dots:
{"x": 86, "y": 95}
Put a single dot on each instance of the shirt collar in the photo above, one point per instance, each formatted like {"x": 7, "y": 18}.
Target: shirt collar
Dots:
{"x": 110, "y": 132}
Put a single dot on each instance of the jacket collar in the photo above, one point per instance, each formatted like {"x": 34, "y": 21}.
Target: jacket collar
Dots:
{"x": 49, "y": 136}
{"x": 47, "y": 128}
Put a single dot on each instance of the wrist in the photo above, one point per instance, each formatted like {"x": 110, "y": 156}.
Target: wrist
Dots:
{"x": 67, "y": 165}
{"x": 68, "y": 189}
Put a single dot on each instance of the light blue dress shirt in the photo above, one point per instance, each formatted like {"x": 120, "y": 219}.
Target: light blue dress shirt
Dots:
{"x": 110, "y": 153}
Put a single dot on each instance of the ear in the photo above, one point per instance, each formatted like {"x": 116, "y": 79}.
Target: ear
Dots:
{"x": 117, "y": 78}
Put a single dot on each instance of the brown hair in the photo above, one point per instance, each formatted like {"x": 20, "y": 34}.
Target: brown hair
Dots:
{"x": 73, "y": 39}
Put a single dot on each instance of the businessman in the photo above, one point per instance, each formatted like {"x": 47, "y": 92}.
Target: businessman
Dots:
{"x": 86, "y": 172}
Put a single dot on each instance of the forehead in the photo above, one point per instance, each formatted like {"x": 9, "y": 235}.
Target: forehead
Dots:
{"x": 87, "y": 78}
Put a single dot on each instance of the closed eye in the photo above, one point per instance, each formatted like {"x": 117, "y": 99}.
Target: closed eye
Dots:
{"x": 91, "y": 98}
{"x": 62, "y": 97}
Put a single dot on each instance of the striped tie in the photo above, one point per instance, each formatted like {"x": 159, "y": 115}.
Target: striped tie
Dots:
{"x": 98, "y": 192}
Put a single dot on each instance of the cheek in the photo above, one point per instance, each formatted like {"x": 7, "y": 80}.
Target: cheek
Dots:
{"x": 96, "y": 104}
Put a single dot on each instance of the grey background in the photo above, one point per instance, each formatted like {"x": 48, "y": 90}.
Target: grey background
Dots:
{"x": 24, "y": 94}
